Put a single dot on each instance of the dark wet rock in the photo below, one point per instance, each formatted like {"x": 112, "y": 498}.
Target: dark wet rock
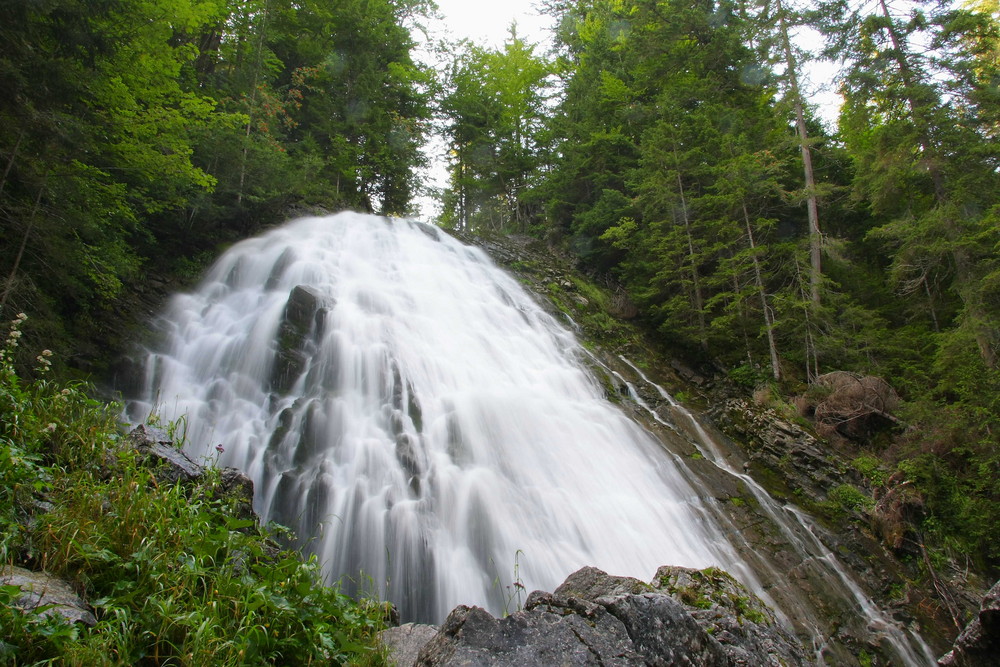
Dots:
{"x": 237, "y": 483}
{"x": 783, "y": 454}
{"x": 594, "y": 618}
{"x": 301, "y": 323}
{"x": 39, "y": 589}
{"x": 171, "y": 464}
{"x": 687, "y": 373}
{"x": 979, "y": 643}
{"x": 239, "y": 487}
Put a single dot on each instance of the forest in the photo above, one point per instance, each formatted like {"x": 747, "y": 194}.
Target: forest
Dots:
{"x": 670, "y": 146}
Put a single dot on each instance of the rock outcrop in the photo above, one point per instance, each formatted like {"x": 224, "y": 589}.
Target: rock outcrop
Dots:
{"x": 301, "y": 325}
{"x": 683, "y": 617}
{"x": 979, "y": 643}
{"x": 170, "y": 465}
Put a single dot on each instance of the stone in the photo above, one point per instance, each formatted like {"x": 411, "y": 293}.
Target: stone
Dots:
{"x": 301, "y": 322}
{"x": 594, "y": 618}
{"x": 857, "y": 406}
{"x": 664, "y": 633}
{"x": 39, "y": 589}
{"x": 590, "y": 583}
{"x": 543, "y": 636}
{"x": 687, "y": 373}
{"x": 239, "y": 486}
{"x": 172, "y": 464}
{"x": 744, "y": 626}
{"x": 405, "y": 641}
{"x": 979, "y": 643}
{"x": 783, "y": 454}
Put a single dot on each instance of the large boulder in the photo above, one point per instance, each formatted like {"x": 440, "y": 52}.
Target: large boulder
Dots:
{"x": 855, "y": 405}
{"x": 548, "y": 634}
{"x": 979, "y": 643}
{"x": 52, "y": 596}
{"x": 405, "y": 641}
{"x": 594, "y": 618}
{"x": 740, "y": 621}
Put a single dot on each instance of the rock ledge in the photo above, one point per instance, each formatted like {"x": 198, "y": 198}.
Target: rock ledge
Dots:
{"x": 683, "y": 617}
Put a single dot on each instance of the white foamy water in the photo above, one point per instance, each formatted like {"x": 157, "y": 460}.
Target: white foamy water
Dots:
{"x": 441, "y": 428}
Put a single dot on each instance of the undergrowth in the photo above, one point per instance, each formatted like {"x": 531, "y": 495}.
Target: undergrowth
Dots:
{"x": 172, "y": 576}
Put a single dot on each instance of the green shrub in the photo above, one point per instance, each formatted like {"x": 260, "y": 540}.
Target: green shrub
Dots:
{"x": 872, "y": 469}
{"x": 850, "y": 498}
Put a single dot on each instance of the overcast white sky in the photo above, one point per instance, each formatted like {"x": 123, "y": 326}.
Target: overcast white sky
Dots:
{"x": 487, "y": 21}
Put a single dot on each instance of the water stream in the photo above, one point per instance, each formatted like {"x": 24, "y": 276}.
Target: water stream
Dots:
{"x": 419, "y": 422}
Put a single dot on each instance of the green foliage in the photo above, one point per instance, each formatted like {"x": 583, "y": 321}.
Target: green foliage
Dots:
{"x": 747, "y": 376}
{"x": 872, "y": 469}
{"x": 678, "y": 172}
{"x": 34, "y": 637}
{"x": 138, "y": 133}
{"x": 495, "y": 132}
{"x": 171, "y": 572}
{"x": 850, "y": 498}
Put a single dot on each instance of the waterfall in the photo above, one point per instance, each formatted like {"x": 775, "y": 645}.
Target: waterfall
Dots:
{"x": 418, "y": 421}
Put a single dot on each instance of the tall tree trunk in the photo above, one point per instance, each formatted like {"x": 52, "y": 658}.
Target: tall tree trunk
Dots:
{"x": 10, "y": 161}
{"x": 699, "y": 299}
{"x": 772, "y": 347}
{"x": 20, "y": 251}
{"x": 253, "y": 101}
{"x": 812, "y": 207}
{"x": 812, "y": 357}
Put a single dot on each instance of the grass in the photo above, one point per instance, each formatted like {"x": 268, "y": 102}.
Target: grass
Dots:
{"x": 171, "y": 574}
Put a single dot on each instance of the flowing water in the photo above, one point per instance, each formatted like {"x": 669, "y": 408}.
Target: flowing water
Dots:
{"x": 418, "y": 421}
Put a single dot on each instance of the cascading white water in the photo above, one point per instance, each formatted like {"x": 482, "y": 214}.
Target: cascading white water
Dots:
{"x": 416, "y": 419}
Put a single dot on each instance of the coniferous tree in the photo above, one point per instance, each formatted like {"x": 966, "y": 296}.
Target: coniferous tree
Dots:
{"x": 495, "y": 112}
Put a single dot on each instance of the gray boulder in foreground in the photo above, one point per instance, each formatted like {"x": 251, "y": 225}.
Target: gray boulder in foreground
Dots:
{"x": 54, "y": 596}
{"x": 684, "y": 617}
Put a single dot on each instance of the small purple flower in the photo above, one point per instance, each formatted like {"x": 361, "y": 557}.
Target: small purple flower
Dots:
{"x": 219, "y": 448}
